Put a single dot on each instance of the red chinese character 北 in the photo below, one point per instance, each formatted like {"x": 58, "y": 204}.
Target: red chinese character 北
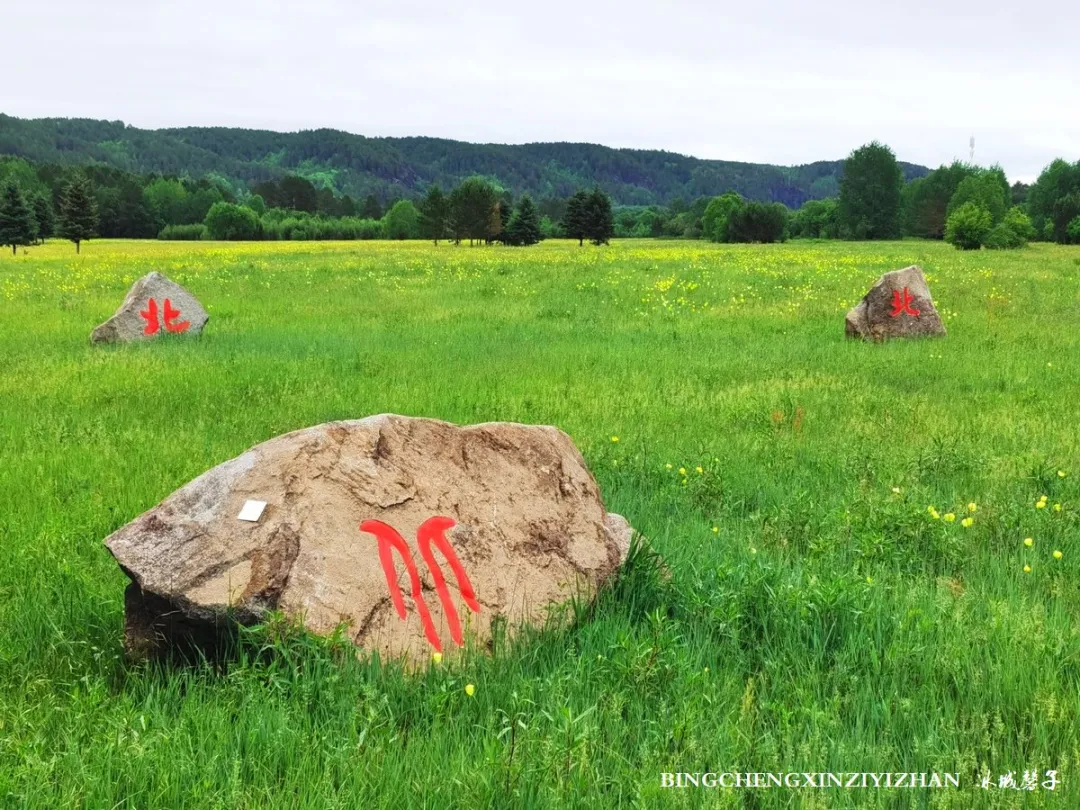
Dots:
{"x": 903, "y": 305}
{"x": 431, "y": 531}
{"x": 150, "y": 315}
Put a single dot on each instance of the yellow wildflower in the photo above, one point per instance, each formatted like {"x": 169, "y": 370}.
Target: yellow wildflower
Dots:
{"x": 1061, "y": 473}
{"x": 437, "y": 657}
{"x": 699, "y": 470}
{"x": 1057, "y": 507}
{"x": 966, "y": 522}
{"x": 716, "y": 529}
{"x": 949, "y": 517}
{"x": 1027, "y": 569}
{"x": 614, "y": 438}
{"x": 682, "y": 470}
{"x": 973, "y": 508}
{"x": 1028, "y": 542}
{"x": 1057, "y": 555}
{"x": 469, "y": 689}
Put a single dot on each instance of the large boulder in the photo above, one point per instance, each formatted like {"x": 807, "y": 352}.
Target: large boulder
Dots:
{"x": 154, "y": 306}
{"x": 899, "y": 305}
{"x": 415, "y": 533}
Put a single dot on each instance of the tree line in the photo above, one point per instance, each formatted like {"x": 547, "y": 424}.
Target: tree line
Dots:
{"x": 478, "y": 209}
{"x": 967, "y": 205}
{"x": 404, "y": 168}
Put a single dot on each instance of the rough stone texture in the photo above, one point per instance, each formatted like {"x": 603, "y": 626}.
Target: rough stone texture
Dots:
{"x": 531, "y": 531}
{"x": 872, "y": 318}
{"x": 137, "y": 314}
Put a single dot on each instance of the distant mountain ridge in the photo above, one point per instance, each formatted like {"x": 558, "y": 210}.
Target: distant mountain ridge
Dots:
{"x": 405, "y": 167}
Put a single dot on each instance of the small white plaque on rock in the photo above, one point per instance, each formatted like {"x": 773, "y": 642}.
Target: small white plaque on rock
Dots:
{"x": 252, "y": 511}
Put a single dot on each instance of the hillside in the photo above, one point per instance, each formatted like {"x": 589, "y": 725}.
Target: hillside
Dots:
{"x": 397, "y": 167}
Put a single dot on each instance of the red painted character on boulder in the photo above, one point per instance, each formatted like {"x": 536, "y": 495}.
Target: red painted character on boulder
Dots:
{"x": 432, "y": 530}
{"x": 903, "y": 306}
{"x": 150, "y": 315}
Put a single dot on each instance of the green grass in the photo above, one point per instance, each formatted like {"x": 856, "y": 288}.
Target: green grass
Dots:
{"x": 814, "y": 618}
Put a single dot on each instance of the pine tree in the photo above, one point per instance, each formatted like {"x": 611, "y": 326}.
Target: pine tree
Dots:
{"x": 434, "y": 215}
{"x": 599, "y": 221}
{"x": 370, "y": 209}
{"x": 471, "y": 207}
{"x": 17, "y": 224}
{"x": 78, "y": 215}
{"x": 495, "y": 224}
{"x": 524, "y": 227}
{"x": 574, "y": 223}
{"x": 43, "y": 213}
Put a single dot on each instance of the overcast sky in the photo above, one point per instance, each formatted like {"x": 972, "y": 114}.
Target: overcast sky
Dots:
{"x": 773, "y": 81}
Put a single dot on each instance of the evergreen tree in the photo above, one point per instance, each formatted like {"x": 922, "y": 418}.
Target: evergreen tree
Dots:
{"x": 495, "y": 224}
{"x": 471, "y": 207}
{"x": 599, "y": 221}
{"x": 573, "y": 223}
{"x": 17, "y": 224}
{"x": 870, "y": 194}
{"x": 524, "y": 225}
{"x": 77, "y": 218}
{"x": 506, "y": 210}
{"x": 434, "y": 215}
{"x": 370, "y": 209}
{"x": 43, "y": 213}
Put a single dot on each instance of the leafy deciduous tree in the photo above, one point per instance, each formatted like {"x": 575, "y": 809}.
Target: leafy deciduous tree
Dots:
{"x": 870, "y": 194}
{"x": 402, "y": 221}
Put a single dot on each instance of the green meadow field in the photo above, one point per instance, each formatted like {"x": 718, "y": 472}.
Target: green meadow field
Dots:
{"x": 810, "y": 612}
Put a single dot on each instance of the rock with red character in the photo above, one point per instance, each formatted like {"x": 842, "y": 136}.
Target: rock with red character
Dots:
{"x": 155, "y": 306}
{"x": 899, "y": 305}
{"x": 413, "y": 536}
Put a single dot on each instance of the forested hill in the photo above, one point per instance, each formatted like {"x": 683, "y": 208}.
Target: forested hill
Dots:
{"x": 404, "y": 167}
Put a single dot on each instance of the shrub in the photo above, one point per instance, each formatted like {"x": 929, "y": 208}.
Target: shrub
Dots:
{"x": 816, "y": 220}
{"x": 758, "y": 222}
{"x": 233, "y": 222}
{"x": 968, "y": 227}
{"x": 1020, "y": 222}
{"x": 402, "y": 221}
{"x": 1002, "y": 237}
{"x": 1072, "y": 230}
{"x": 184, "y": 233}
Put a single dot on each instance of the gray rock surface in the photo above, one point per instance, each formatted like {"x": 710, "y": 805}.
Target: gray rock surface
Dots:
{"x": 516, "y": 505}
{"x": 899, "y": 305}
{"x": 154, "y": 306}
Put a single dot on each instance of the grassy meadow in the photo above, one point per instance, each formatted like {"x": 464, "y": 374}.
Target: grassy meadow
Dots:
{"x": 817, "y": 616}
